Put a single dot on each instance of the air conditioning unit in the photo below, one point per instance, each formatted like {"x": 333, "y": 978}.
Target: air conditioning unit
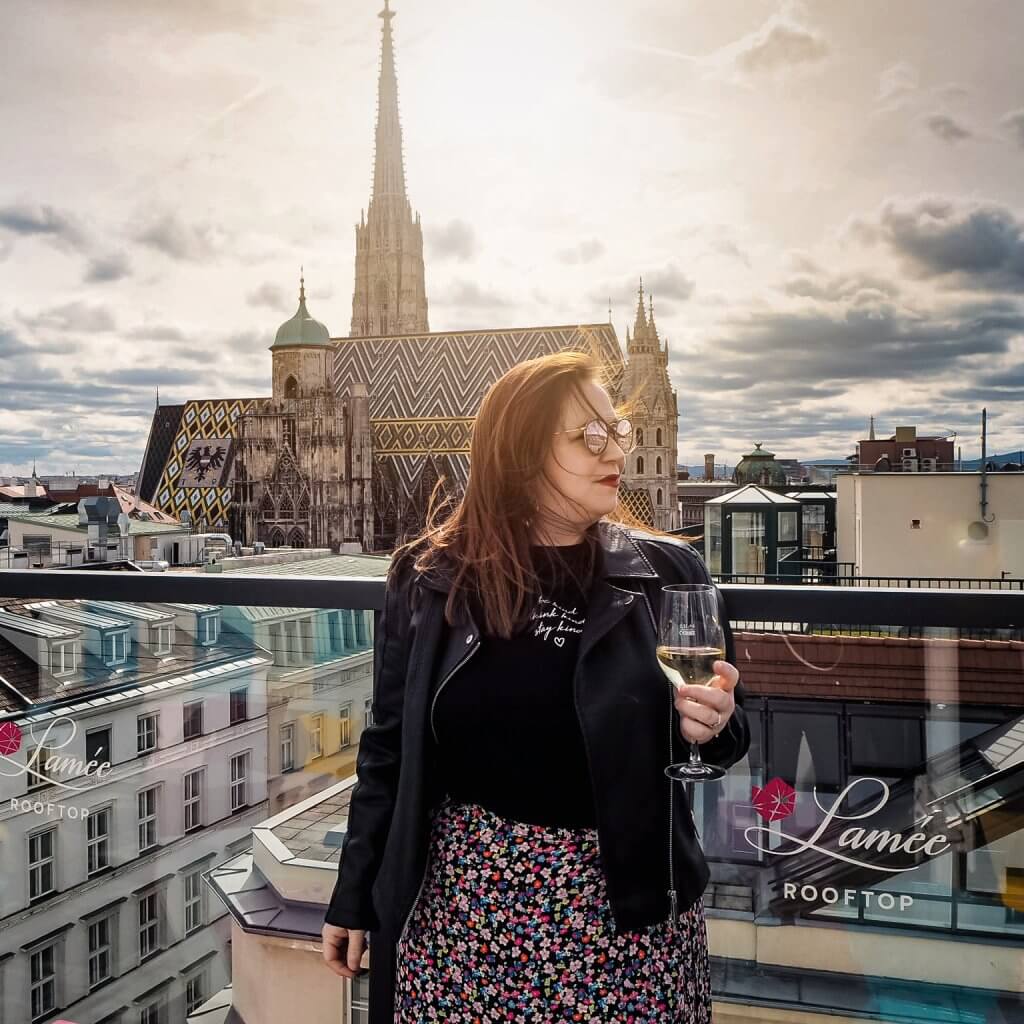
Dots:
{"x": 909, "y": 453}
{"x": 910, "y": 465}
{"x": 930, "y": 465}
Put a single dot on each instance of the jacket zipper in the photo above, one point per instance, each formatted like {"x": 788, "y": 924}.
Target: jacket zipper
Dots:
{"x": 444, "y": 681}
{"x": 459, "y": 664}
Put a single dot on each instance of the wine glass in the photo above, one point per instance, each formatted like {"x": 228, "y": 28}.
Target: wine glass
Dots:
{"x": 690, "y": 641}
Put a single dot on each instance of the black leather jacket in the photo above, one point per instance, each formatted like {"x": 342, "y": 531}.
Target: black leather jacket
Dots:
{"x": 649, "y": 846}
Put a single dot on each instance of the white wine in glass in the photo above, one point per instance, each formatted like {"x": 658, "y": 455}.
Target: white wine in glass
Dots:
{"x": 690, "y": 641}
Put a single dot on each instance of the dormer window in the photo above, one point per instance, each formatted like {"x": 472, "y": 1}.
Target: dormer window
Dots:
{"x": 63, "y": 660}
{"x": 162, "y": 638}
{"x": 209, "y": 629}
{"x": 115, "y": 648}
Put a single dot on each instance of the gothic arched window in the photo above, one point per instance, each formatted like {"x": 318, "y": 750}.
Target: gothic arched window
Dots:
{"x": 287, "y": 508}
{"x": 267, "y": 507}
{"x": 657, "y": 465}
{"x": 291, "y": 388}
{"x": 639, "y": 436}
{"x": 276, "y": 539}
{"x": 297, "y": 539}
{"x": 659, "y": 498}
{"x": 304, "y": 505}
{"x": 639, "y": 464}
{"x": 658, "y": 437}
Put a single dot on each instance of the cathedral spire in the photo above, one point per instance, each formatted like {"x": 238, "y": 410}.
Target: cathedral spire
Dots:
{"x": 388, "y": 166}
{"x": 390, "y": 296}
{"x": 641, "y": 316}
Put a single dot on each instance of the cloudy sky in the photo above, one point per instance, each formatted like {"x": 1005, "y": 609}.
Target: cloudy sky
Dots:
{"x": 825, "y": 198}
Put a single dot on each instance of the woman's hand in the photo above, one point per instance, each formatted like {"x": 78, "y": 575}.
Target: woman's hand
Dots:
{"x": 343, "y": 950}
{"x": 699, "y": 707}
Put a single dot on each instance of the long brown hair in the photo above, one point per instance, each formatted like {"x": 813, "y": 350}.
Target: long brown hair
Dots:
{"x": 485, "y": 540}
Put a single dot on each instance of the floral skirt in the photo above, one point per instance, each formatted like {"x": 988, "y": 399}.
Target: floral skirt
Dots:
{"x": 513, "y": 923}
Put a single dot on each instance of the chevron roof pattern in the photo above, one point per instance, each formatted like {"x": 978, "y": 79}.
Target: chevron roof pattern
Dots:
{"x": 425, "y": 389}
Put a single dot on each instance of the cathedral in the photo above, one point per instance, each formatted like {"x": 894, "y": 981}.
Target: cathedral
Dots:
{"x": 359, "y": 429}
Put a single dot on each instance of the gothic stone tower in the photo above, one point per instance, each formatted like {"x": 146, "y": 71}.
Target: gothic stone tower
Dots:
{"x": 652, "y": 464}
{"x": 304, "y": 457}
{"x": 390, "y": 295}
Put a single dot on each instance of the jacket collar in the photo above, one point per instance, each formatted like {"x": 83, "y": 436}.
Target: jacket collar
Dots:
{"x": 621, "y": 558}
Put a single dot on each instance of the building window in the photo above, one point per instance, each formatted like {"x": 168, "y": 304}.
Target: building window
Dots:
{"x": 43, "y": 970}
{"x": 659, "y": 501}
{"x": 37, "y": 777}
{"x": 39, "y": 546}
{"x": 316, "y": 736}
{"x": 345, "y": 721}
{"x": 153, "y": 1013}
{"x": 239, "y": 781}
{"x": 115, "y": 648}
{"x": 42, "y": 874}
{"x": 62, "y": 659}
{"x": 349, "y": 629}
{"x": 149, "y": 924}
{"x": 334, "y": 632}
{"x": 97, "y": 746}
{"x": 657, "y": 439}
{"x": 209, "y": 629}
{"x": 657, "y": 465}
{"x": 291, "y": 632}
{"x": 639, "y": 436}
{"x": 101, "y": 951}
{"x": 360, "y": 620}
{"x": 147, "y": 819}
{"x": 97, "y": 845}
{"x": 367, "y": 712}
{"x": 194, "y": 916}
{"x": 193, "y": 800}
{"x": 238, "y": 710}
{"x": 192, "y": 719}
{"x": 275, "y": 643}
{"x": 287, "y": 747}
{"x": 195, "y": 992}
{"x": 164, "y": 636}
{"x": 145, "y": 731}
{"x": 639, "y": 464}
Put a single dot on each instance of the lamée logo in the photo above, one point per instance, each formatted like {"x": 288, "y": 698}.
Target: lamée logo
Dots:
{"x": 870, "y": 848}
{"x": 48, "y": 746}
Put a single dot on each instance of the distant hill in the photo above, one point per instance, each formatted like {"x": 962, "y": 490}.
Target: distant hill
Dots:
{"x": 997, "y": 460}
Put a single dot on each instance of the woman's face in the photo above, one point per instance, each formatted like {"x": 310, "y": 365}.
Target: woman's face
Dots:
{"x": 590, "y": 480}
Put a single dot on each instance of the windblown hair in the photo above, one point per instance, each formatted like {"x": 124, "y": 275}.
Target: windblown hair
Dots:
{"x": 484, "y": 543}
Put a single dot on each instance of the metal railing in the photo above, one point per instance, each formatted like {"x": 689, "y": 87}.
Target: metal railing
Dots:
{"x": 993, "y": 607}
{"x": 827, "y": 578}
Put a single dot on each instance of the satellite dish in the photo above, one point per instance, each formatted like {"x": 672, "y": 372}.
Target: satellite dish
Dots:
{"x": 977, "y": 530}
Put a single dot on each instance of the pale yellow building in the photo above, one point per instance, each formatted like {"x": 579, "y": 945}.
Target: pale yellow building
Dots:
{"x": 931, "y": 524}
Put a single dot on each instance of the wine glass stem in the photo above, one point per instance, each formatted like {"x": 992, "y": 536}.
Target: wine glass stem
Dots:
{"x": 694, "y": 753}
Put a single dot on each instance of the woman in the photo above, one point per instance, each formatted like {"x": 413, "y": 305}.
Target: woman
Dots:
{"x": 513, "y": 845}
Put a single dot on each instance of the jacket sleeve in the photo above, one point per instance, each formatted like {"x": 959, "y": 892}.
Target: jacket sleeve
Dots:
{"x": 377, "y": 766}
{"x": 733, "y": 742}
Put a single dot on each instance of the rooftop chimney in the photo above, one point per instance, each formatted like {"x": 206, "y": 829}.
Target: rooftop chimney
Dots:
{"x": 709, "y": 466}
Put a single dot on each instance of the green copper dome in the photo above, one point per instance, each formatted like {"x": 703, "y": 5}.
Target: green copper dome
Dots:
{"x": 759, "y": 467}
{"x": 302, "y": 329}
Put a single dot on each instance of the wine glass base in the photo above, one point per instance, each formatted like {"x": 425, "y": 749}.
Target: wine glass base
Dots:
{"x": 687, "y": 771}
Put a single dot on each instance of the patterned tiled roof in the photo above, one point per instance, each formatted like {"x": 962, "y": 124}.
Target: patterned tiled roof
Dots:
{"x": 425, "y": 389}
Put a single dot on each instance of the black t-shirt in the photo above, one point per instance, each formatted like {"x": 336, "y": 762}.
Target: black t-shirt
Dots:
{"x": 508, "y": 734}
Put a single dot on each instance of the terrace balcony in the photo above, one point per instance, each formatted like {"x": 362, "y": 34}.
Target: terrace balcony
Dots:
{"x": 896, "y": 710}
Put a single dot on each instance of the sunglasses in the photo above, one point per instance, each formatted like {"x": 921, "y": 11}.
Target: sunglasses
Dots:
{"x": 596, "y": 433}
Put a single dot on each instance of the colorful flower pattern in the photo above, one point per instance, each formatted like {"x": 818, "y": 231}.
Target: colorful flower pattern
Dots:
{"x": 513, "y": 924}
